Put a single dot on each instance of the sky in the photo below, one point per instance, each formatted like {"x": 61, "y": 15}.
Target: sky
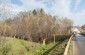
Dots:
{"x": 73, "y": 9}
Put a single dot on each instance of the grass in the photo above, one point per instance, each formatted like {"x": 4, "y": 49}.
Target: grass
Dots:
{"x": 15, "y": 46}
{"x": 59, "y": 49}
{"x": 22, "y": 47}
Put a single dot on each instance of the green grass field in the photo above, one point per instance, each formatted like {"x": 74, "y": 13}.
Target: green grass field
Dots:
{"x": 13, "y": 46}
{"x": 22, "y": 47}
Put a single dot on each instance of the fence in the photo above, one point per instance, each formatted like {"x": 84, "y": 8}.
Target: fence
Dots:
{"x": 57, "y": 37}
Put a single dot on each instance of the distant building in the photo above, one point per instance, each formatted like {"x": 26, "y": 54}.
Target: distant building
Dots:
{"x": 76, "y": 29}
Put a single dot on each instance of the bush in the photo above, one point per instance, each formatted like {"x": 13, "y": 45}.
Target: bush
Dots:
{"x": 58, "y": 38}
{"x": 62, "y": 37}
{"x": 83, "y": 33}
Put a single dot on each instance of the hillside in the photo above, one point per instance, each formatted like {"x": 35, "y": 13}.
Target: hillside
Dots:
{"x": 13, "y": 46}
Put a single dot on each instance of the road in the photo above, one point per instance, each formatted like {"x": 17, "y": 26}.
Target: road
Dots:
{"x": 79, "y": 45}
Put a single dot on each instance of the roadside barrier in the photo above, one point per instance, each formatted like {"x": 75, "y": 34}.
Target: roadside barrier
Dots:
{"x": 68, "y": 47}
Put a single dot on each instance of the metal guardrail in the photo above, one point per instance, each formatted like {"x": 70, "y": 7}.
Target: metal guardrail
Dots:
{"x": 68, "y": 47}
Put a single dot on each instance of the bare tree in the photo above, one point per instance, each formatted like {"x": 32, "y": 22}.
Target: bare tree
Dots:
{"x": 66, "y": 25}
{"x": 83, "y": 27}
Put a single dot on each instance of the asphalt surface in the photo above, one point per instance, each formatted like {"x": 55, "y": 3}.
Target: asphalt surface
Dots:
{"x": 79, "y": 45}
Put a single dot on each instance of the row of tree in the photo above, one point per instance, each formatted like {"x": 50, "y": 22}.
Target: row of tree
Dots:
{"x": 35, "y": 25}
{"x": 83, "y": 27}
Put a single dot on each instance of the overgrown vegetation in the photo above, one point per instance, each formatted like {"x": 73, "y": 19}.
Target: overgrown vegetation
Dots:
{"x": 83, "y": 33}
{"x": 15, "y": 46}
{"x": 5, "y": 50}
{"x": 36, "y": 27}
{"x": 59, "y": 50}
{"x": 83, "y": 27}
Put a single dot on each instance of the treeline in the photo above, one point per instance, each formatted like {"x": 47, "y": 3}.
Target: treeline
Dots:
{"x": 35, "y": 26}
{"x": 83, "y": 27}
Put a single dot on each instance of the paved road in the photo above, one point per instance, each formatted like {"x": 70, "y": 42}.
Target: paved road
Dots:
{"x": 79, "y": 45}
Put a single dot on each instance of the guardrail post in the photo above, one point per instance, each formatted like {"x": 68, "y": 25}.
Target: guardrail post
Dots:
{"x": 44, "y": 40}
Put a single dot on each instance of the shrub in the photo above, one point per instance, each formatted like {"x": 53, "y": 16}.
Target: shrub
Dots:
{"x": 58, "y": 38}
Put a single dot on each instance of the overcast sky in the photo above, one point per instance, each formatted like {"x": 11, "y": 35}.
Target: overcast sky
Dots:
{"x": 73, "y": 9}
